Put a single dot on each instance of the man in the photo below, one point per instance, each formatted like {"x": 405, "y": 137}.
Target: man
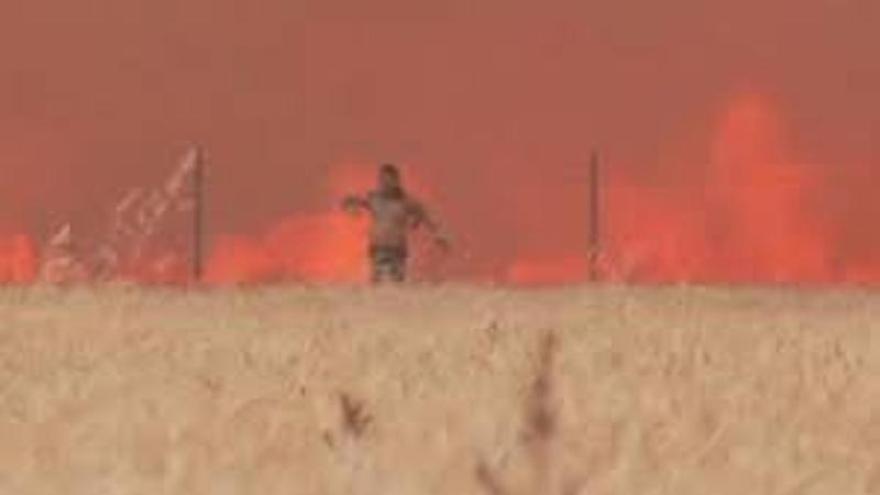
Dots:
{"x": 394, "y": 214}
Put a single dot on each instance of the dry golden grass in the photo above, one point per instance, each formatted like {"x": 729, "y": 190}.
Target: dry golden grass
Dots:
{"x": 439, "y": 391}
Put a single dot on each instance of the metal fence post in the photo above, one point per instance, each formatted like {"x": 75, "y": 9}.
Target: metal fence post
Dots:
{"x": 595, "y": 217}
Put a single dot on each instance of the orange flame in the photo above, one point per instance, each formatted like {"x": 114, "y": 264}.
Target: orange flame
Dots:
{"x": 18, "y": 259}
{"x": 752, "y": 218}
{"x": 752, "y": 214}
{"x": 325, "y": 247}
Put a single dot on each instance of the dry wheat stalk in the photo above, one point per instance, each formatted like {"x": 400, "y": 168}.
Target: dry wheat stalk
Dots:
{"x": 487, "y": 479}
{"x": 355, "y": 419}
{"x": 539, "y": 432}
{"x": 540, "y": 428}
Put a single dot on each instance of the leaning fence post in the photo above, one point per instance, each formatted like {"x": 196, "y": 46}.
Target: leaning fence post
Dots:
{"x": 595, "y": 218}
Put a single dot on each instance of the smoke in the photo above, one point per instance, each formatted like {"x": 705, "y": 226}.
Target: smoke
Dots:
{"x": 326, "y": 246}
{"x": 494, "y": 107}
{"x": 752, "y": 212}
{"x": 18, "y": 259}
{"x": 322, "y": 247}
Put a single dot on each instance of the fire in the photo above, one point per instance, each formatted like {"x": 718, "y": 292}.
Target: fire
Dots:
{"x": 322, "y": 247}
{"x": 18, "y": 259}
{"x": 752, "y": 212}
{"x": 751, "y": 217}
{"x": 325, "y": 247}
{"x": 562, "y": 270}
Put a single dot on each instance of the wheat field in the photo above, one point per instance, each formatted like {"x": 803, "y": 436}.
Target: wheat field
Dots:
{"x": 439, "y": 390}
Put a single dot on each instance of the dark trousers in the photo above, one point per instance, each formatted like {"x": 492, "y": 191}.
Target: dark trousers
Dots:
{"x": 388, "y": 263}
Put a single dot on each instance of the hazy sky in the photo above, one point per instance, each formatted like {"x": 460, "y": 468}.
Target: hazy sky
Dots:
{"x": 99, "y": 95}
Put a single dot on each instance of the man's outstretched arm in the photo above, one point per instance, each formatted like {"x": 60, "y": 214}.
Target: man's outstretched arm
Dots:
{"x": 421, "y": 217}
{"x": 354, "y": 203}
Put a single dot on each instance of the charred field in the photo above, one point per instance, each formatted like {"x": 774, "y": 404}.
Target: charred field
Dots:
{"x": 320, "y": 390}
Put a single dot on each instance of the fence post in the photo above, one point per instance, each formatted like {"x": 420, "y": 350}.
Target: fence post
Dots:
{"x": 595, "y": 217}
{"x": 198, "y": 184}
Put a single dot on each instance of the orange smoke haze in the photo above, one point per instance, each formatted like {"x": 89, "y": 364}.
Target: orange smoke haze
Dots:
{"x": 325, "y": 247}
{"x": 318, "y": 247}
{"x": 18, "y": 259}
{"x": 313, "y": 248}
{"x": 752, "y": 213}
{"x": 738, "y": 139}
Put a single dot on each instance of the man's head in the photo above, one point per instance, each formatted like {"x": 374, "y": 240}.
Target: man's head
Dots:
{"x": 389, "y": 180}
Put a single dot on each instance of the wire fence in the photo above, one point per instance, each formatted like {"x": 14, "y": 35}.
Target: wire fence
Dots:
{"x": 690, "y": 229}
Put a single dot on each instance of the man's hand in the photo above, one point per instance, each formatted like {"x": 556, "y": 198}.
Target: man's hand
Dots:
{"x": 352, "y": 204}
{"x": 443, "y": 243}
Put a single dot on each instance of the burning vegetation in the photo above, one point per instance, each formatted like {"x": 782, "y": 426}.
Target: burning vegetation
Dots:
{"x": 752, "y": 213}
{"x": 137, "y": 244}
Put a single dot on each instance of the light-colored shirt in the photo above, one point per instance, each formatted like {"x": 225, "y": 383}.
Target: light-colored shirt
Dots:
{"x": 392, "y": 217}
